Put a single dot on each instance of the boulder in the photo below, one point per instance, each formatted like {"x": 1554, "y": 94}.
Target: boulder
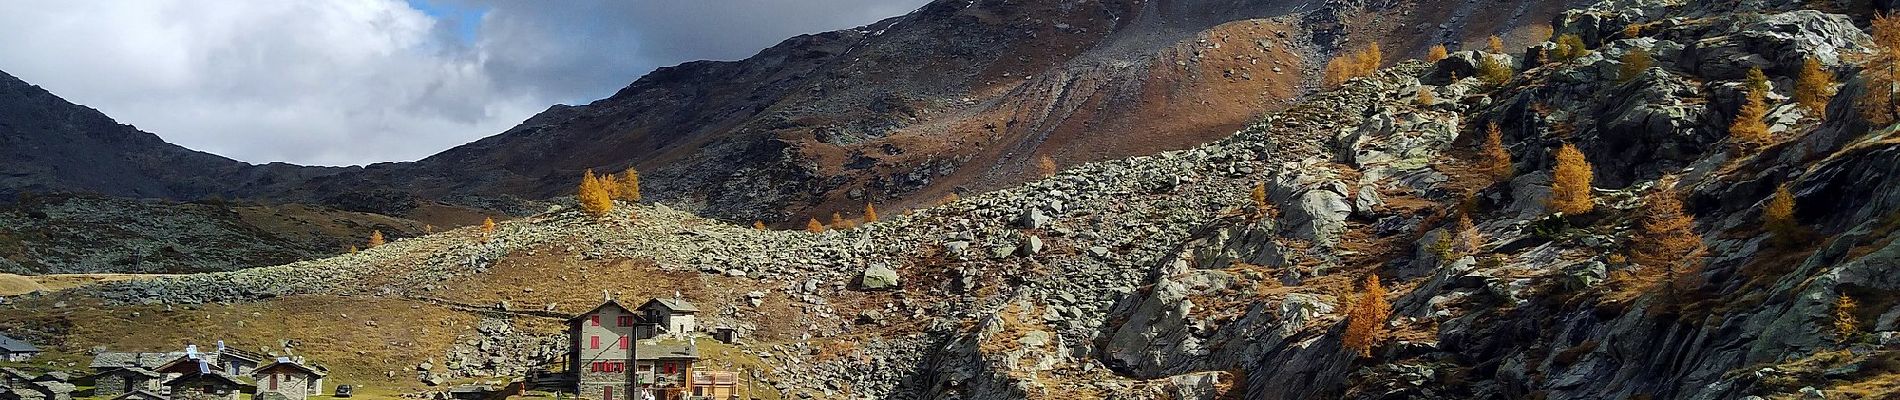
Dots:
{"x": 878, "y": 277}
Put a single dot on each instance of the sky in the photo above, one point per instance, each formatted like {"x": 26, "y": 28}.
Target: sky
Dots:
{"x": 351, "y": 82}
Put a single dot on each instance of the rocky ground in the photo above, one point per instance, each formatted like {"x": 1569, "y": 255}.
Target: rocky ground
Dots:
{"x": 1157, "y": 276}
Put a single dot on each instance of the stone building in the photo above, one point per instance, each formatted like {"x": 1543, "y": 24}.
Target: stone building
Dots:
{"x": 288, "y": 379}
{"x": 206, "y": 382}
{"x": 674, "y": 316}
{"x": 600, "y": 341}
{"x": 619, "y": 353}
{"x": 115, "y": 381}
{"x": 15, "y": 350}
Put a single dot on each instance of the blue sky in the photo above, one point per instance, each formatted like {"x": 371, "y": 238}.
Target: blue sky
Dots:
{"x": 326, "y": 82}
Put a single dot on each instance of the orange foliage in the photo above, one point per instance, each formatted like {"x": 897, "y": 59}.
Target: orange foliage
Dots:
{"x": 1665, "y": 240}
{"x": 1365, "y": 321}
{"x": 1570, "y": 182}
{"x": 1493, "y": 159}
{"x": 1748, "y": 133}
{"x": 593, "y": 195}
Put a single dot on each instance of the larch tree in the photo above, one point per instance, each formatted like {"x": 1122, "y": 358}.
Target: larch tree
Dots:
{"x": 1044, "y": 166}
{"x": 352, "y": 249}
{"x": 758, "y": 225}
{"x": 1845, "y": 323}
{"x": 629, "y": 183}
{"x": 1665, "y": 240}
{"x": 375, "y": 238}
{"x": 1371, "y": 59}
{"x": 592, "y": 195}
{"x": 488, "y": 228}
{"x": 1634, "y": 63}
{"x": 1365, "y": 320}
{"x": 1425, "y": 97}
{"x": 1749, "y": 133}
{"x": 1570, "y": 182}
{"x": 870, "y": 213}
{"x": 1778, "y": 217}
{"x": 1495, "y": 45}
{"x": 813, "y": 226}
{"x": 1813, "y": 87}
{"x": 1494, "y": 161}
{"x": 1757, "y": 80}
{"x": 1437, "y": 53}
{"x": 1259, "y": 197}
{"x": 1880, "y": 104}
{"x": 1469, "y": 240}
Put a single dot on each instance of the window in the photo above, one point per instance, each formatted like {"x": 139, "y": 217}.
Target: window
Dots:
{"x": 593, "y": 342}
{"x": 607, "y": 393}
{"x": 669, "y": 367}
{"x": 273, "y": 381}
{"x": 626, "y": 320}
{"x": 623, "y": 342}
{"x": 595, "y": 319}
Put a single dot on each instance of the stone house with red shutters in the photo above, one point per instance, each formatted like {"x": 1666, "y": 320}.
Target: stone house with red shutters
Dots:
{"x": 617, "y": 352}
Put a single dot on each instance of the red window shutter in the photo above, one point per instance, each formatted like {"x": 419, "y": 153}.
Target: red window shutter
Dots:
{"x": 593, "y": 342}
{"x": 595, "y": 319}
{"x": 623, "y": 342}
{"x": 607, "y": 393}
{"x": 273, "y": 381}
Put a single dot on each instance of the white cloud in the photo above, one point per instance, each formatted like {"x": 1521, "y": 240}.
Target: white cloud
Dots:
{"x": 351, "y": 82}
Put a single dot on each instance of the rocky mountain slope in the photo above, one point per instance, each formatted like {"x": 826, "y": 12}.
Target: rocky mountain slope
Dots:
{"x": 1158, "y": 277}
{"x": 65, "y": 234}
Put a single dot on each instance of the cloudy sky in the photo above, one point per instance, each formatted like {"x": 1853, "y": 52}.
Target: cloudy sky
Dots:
{"x": 343, "y": 82}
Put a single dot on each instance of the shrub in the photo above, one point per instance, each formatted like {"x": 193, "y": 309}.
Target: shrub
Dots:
{"x": 375, "y": 238}
{"x": 870, "y": 213}
{"x": 1632, "y": 31}
{"x": 1878, "y": 104}
{"x": 1570, "y": 182}
{"x": 1813, "y": 87}
{"x": 1493, "y": 159}
{"x": 1495, "y": 45}
{"x": 1425, "y": 97}
{"x": 1748, "y": 133}
{"x": 1045, "y": 166}
{"x": 813, "y": 226}
{"x": 1778, "y": 217}
{"x": 1634, "y": 63}
{"x": 1365, "y": 321}
{"x": 1436, "y": 53}
{"x": 1570, "y": 47}
{"x": 1492, "y": 71}
{"x": 593, "y": 195}
{"x": 758, "y": 225}
{"x": 1665, "y": 240}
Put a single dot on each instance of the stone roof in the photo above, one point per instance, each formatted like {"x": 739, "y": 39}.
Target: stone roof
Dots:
{"x": 287, "y": 363}
{"x": 133, "y": 370}
{"x": 206, "y": 371}
{"x": 115, "y": 359}
{"x": 675, "y": 304}
{"x": 659, "y": 349}
{"x": 11, "y": 345}
{"x": 140, "y": 394}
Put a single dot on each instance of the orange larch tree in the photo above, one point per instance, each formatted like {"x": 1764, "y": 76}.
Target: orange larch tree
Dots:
{"x": 1665, "y": 240}
{"x": 375, "y": 238}
{"x": 592, "y": 194}
{"x": 1365, "y": 321}
{"x": 1570, "y": 182}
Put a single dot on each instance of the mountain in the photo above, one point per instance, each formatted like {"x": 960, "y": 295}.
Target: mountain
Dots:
{"x": 50, "y": 145}
{"x": 1242, "y": 268}
{"x": 959, "y": 96}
